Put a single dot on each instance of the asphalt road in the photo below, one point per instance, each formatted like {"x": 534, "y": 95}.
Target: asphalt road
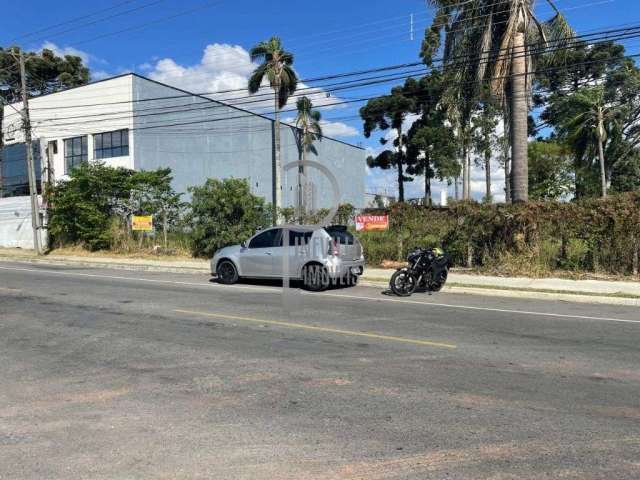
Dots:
{"x": 108, "y": 374}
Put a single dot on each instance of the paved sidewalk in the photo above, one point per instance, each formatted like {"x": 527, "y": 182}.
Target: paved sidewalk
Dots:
{"x": 584, "y": 291}
{"x": 162, "y": 264}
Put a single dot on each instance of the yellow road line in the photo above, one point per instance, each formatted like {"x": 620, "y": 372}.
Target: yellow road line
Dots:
{"x": 322, "y": 329}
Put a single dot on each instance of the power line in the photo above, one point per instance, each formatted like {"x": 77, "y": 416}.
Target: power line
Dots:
{"x": 623, "y": 33}
{"x": 377, "y": 37}
{"x": 153, "y": 22}
{"x": 249, "y": 114}
{"x": 342, "y": 49}
{"x": 93, "y": 22}
{"x": 51, "y": 27}
{"x": 190, "y": 107}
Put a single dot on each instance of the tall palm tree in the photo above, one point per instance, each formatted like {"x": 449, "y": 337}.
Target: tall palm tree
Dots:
{"x": 310, "y": 130}
{"x": 590, "y": 119}
{"x": 276, "y": 67}
{"x": 495, "y": 41}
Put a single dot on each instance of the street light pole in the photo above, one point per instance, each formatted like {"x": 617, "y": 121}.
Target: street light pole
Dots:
{"x": 33, "y": 188}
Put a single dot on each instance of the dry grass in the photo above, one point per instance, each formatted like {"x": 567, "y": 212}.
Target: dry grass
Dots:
{"x": 144, "y": 253}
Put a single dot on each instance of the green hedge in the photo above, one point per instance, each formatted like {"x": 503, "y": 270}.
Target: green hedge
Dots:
{"x": 595, "y": 235}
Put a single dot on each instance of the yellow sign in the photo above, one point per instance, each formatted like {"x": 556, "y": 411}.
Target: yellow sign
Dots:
{"x": 142, "y": 223}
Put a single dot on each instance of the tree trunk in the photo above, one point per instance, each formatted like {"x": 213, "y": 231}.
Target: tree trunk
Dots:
{"x": 400, "y": 169}
{"x": 427, "y": 181}
{"x": 301, "y": 175}
{"x": 468, "y": 180}
{"x": 603, "y": 173}
{"x": 277, "y": 162}
{"x": 455, "y": 188}
{"x": 519, "y": 120}
{"x": 465, "y": 173}
{"x": 507, "y": 165}
{"x": 487, "y": 174}
{"x": 164, "y": 227}
{"x": 507, "y": 179}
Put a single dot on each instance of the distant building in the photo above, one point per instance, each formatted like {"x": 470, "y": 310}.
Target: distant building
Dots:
{"x": 377, "y": 200}
{"x": 134, "y": 122}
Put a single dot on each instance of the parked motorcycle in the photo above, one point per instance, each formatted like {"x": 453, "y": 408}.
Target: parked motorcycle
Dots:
{"x": 428, "y": 270}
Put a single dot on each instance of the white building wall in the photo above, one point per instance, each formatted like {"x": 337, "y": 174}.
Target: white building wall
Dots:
{"x": 212, "y": 140}
{"x": 84, "y": 111}
{"x": 200, "y": 139}
{"x": 16, "y": 230}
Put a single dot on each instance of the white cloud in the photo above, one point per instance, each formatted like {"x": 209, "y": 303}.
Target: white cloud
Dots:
{"x": 225, "y": 67}
{"x": 338, "y": 129}
{"x": 62, "y": 51}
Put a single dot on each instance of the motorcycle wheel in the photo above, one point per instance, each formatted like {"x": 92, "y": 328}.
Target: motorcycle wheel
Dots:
{"x": 438, "y": 279}
{"x": 403, "y": 283}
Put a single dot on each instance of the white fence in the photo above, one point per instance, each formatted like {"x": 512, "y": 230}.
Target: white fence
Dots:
{"x": 15, "y": 223}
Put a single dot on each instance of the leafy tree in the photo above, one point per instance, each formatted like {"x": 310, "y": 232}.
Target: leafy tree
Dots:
{"x": 83, "y": 207}
{"x": 604, "y": 65}
{"x": 626, "y": 174}
{"x": 46, "y": 73}
{"x": 494, "y": 41}
{"x": 384, "y": 113}
{"x": 277, "y": 68}
{"x": 588, "y": 121}
{"x": 224, "y": 212}
{"x": 550, "y": 170}
{"x": 623, "y": 88}
{"x": 432, "y": 146}
{"x": 309, "y": 131}
{"x": 485, "y": 140}
{"x": 582, "y": 65}
{"x": 151, "y": 193}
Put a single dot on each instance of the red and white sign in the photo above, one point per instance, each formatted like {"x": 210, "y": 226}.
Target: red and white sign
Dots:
{"x": 372, "y": 223}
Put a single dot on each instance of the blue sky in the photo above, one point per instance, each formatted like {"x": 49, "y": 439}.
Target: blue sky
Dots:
{"x": 327, "y": 37}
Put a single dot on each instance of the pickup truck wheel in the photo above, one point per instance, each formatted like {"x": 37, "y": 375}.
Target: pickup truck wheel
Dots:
{"x": 315, "y": 278}
{"x": 227, "y": 273}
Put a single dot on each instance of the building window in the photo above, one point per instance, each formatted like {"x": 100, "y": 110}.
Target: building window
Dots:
{"x": 111, "y": 144}
{"x": 75, "y": 152}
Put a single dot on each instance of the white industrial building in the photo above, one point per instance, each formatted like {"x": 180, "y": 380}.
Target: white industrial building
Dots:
{"x": 135, "y": 122}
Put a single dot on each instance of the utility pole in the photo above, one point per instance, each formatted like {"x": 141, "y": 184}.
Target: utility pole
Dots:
{"x": 33, "y": 188}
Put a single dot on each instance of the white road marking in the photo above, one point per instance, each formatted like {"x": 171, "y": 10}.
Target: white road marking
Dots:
{"x": 148, "y": 280}
{"x": 486, "y": 309}
{"x": 278, "y": 290}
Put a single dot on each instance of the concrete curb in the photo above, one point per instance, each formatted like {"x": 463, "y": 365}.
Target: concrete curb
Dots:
{"x": 485, "y": 291}
{"x": 108, "y": 265}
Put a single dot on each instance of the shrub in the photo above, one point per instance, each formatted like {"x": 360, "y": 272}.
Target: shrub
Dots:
{"x": 224, "y": 212}
{"x": 81, "y": 209}
{"x": 596, "y": 235}
{"x": 94, "y": 206}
